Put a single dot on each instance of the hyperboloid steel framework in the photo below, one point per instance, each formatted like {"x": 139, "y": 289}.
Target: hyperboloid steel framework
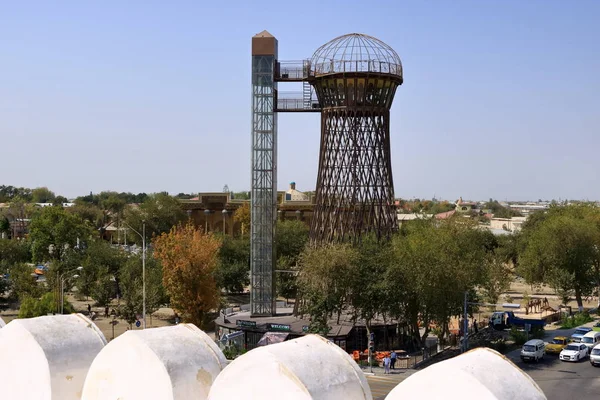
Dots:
{"x": 352, "y": 81}
{"x": 355, "y": 78}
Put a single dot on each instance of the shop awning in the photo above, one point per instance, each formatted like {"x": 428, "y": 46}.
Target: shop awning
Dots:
{"x": 272, "y": 337}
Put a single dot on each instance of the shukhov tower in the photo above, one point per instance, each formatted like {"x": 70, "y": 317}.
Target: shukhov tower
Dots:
{"x": 355, "y": 77}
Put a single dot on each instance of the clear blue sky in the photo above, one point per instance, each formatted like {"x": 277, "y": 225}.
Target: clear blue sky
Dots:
{"x": 501, "y": 98}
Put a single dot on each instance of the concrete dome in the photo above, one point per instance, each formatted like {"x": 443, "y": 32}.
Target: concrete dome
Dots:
{"x": 355, "y": 52}
{"x": 171, "y": 363}
{"x": 480, "y": 374}
{"x": 310, "y": 367}
{"x": 2, "y": 324}
{"x": 47, "y": 357}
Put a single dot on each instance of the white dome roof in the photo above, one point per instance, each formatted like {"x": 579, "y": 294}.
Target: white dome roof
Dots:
{"x": 480, "y": 374}
{"x": 307, "y": 368}
{"x": 47, "y": 357}
{"x": 176, "y": 362}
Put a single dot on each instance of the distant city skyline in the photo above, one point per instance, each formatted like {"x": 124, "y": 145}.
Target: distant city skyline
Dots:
{"x": 500, "y": 100}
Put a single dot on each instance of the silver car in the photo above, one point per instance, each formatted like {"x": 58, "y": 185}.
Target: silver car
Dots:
{"x": 595, "y": 356}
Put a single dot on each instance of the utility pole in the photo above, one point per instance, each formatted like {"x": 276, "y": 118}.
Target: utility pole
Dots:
{"x": 144, "y": 273}
{"x": 465, "y": 345}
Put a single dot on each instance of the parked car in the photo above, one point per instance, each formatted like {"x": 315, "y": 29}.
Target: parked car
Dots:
{"x": 579, "y": 334}
{"x": 574, "y": 352}
{"x": 595, "y": 356}
{"x": 596, "y": 327}
{"x": 533, "y": 350}
{"x": 591, "y": 339}
{"x": 556, "y": 345}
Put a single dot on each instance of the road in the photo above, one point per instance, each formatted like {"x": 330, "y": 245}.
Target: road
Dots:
{"x": 559, "y": 379}
{"x": 381, "y": 385}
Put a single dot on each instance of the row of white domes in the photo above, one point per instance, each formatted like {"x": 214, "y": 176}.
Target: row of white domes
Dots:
{"x": 66, "y": 357}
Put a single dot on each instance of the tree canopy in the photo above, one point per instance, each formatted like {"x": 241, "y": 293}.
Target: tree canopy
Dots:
{"x": 189, "y": 260}
{"x": 562, "y": 248}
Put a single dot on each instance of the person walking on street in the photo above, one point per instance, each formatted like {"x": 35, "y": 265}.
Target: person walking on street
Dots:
{"x": 89, "y": 310}
{"x": 386, "y": 364}
{"x": 393, "y": 358}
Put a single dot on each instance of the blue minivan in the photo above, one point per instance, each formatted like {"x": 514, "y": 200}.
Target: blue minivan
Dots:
{"x": 579, "y": 334}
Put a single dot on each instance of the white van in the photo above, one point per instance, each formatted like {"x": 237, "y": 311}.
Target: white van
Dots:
{"x": 533, "y": 350}
{"x": 591, "y": 339}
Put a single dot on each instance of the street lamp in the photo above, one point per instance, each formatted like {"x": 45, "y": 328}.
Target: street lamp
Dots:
{"x": 206, "y": 214}
{"x": 62, "y": 279}
{"x": 143, "y": 236}
{"x": 224, "y": 212}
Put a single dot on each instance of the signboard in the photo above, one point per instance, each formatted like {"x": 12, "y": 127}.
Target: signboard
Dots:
{"x": 279, "y": 327}
{"x": 246, "y": 324}
{"x": 138, "y": 323}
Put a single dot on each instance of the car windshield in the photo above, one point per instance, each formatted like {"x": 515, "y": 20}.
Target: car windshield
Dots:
{"x": 557, "y": 341}
{"x": 579, "y": 332}
{"x": 528, "y": 348}
{"x": 572, "y": 347}
{"x": 596, "y": 352}
{"x": 588, "y": 340}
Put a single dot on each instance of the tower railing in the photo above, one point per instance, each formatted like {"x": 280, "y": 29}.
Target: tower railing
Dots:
{"x": 293, "y": 70}
{"x": 335, "y": 66}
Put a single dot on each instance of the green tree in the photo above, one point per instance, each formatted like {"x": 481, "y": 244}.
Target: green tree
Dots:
{"x": 370, "y": 294}
{"x": 132, "y": 287}
{"x": 433, "y": 265}
{"x": 4, "y": 226}
{"x": 90, "y": 213}
{"x": 561, "y": 250}
{"x": 22, "y": 283}
{"x": 54, "y": 232}
{"x": 101, "y": 271}
{"x": 161, "y": 213}
{"x": 325, "y": 282}
{"x": 291, "y": 239}
{"x": 42, "y": 195}
{"x": 233, "y": 270}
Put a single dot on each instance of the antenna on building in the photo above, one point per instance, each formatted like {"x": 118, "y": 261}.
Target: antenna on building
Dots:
{"x": 226, "y": 189}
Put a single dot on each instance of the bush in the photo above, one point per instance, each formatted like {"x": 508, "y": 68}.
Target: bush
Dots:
{"x": 232, "y": 352}
{"x": 519, "y": 337}
{"x": 31, "y": 307}
{"x": 499, "y": 345}
{"x": 576, "y": 320}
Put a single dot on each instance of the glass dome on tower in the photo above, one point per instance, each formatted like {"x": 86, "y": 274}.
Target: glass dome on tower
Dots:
{"x": 354, "y": 53}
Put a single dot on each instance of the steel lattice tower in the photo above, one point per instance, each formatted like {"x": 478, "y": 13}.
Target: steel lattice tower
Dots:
{"x": 264, "y": 175}
{"x": 355, "y": 77}
{"x": 351, "y": 81}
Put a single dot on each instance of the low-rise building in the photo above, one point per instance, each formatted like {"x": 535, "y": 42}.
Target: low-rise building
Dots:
{"x": 513, "y": 224}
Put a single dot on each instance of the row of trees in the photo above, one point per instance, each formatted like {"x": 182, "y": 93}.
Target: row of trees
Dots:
{"x": 418, "y": 277}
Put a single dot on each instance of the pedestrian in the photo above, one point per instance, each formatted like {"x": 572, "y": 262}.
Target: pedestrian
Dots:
{"x": 393, "y": 357}
{"x": 89, "y": 310}
{"x": 386, "y": 364}
{"x": 106, "y": 312}
{"x": 475, "y": 325}
{"x": 176, "y": 319}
